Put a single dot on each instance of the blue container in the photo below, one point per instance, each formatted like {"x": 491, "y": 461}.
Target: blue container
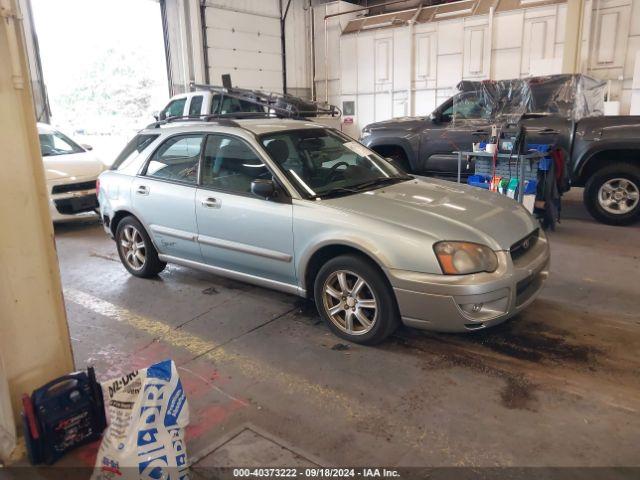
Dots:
{"x": 539, "y": 147}
{"x": 479, "y": 180}
{"x": 545, "y": 163}
{"x": 530, "y": 187}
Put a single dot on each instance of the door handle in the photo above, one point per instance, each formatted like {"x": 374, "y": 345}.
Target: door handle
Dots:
{"x": 548, "y": 131}
{"x": 480, "y": 132}
{"x": 142, "y": 190}
{"x": 211, "y": 202}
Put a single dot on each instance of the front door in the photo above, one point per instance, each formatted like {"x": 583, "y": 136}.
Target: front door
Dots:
{"x": 236, "y": 230}
{"x": 457, "y": 125}
{"x": 164, "y": 195}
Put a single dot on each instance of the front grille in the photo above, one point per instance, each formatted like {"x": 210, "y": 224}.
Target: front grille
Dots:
{"x": 522, "y": 246}
{"x": 527, "y": 287}
{"x": 73, "y": 187}
{"x": 70, "y": 206}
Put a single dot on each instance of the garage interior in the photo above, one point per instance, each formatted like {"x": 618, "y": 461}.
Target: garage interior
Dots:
{"x": 268, "y": 384}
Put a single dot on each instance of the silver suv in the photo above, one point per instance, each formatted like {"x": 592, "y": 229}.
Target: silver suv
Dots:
{"x": 302, "y": 208}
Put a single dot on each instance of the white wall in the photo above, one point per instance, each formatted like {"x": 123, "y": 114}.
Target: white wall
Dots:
{"x": 425, "y": 61}
{"x": 186, "y": 53}
{"x": 328, "y": 69}
{"x": 410, "y": 70}
{"x": 611, "y": 45}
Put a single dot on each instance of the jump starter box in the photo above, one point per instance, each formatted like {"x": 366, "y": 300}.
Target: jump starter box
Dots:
{"x": 61, "y": 415}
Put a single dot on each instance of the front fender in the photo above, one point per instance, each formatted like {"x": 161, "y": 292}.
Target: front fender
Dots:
{"x": 585, "y": 153}
{"x": 410, "y": 144}
{"x": 316, "y": 226}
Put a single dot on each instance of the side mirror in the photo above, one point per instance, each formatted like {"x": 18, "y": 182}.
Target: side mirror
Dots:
{"x": 156, "y": 115}
{"x": 162, "y": 116}
{"x": 435, "y": 117}
{"x": 87, "y": 147}
{"x": 263, "y": 188}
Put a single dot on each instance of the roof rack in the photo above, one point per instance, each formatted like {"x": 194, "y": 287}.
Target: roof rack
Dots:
{"x": 282, "y": 105}
{"x": 222, "y": 119}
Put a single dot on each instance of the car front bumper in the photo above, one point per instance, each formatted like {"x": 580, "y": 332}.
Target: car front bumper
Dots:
{"x": 72, "y": 198}
{"x": 460, "y": 303}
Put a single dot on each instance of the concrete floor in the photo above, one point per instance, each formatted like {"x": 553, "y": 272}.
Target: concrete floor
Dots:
{"x": 267, "y": 383}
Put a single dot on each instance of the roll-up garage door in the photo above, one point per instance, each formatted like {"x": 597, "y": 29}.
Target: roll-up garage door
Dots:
{"x": 244, "y": 43}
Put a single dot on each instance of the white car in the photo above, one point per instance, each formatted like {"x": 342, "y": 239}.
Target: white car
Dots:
{"x": 71, "y": 172}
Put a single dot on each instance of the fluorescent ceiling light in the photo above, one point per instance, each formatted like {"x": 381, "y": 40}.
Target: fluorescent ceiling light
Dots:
{"x": 377, "y": 25}
{"x": 529, "y": 2}
{"x": 453, "y": 13}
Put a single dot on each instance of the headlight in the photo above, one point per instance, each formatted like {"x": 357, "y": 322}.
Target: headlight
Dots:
{"x": 364, "y": 134}
{"x": 461, "y": 258}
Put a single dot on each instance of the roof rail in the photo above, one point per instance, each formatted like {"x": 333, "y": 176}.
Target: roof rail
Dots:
{"x": 220, "y": 120}
{"x": 286, "y": 105}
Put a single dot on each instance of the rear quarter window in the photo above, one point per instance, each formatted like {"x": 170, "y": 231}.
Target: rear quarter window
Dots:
{"x": 132, "y": 150}
{"x": 195, "y": 107}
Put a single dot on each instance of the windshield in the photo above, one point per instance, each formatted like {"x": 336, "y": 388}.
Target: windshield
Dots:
{"x": 322, "y": 162}
{"x": 55, "y": 143}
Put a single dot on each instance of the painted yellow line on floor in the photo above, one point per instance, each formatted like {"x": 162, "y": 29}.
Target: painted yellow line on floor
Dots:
{"x": 210, "y": 351}
{"x": 337, "y": 403}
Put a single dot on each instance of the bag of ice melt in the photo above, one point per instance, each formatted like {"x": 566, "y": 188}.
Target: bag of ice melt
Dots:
{"x": 148, "y": 413}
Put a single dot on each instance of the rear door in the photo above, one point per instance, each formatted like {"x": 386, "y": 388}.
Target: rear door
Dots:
{"x": 163, "y": 195}
{"x": 450, "y": 133}
{"x": 237, "y": 230}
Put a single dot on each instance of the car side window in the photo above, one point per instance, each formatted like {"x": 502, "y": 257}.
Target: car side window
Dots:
{"x": 447, "y": 114}
{"x": 465, "y": 106}
{"x": 222, "y": 105}
{"x": 177, "y": 159}
{"x": 131, "y": 151}
{"x": 175, "y": 108}
{"x": 195, "y": 107}
{"x": 229, "y": 164}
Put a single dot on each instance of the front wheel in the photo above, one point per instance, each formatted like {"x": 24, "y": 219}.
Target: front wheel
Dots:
{"x": 612, "y": 194}
{"x": 136, "y": 251}
{"x": 355, "y": 300}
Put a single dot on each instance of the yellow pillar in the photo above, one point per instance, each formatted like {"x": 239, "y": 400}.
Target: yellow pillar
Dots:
{"x": 573, "y": 36}
{"x": 34, "y": 337}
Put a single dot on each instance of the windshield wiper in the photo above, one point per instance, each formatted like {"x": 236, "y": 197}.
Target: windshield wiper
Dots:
{"x": 378, "y": 181}
{"x": 361, "y": 187}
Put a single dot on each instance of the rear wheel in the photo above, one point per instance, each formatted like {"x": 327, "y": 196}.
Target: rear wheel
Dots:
{"x": 355, "y": 300}
{"x": 612, "y": 194}
{"x": 136, "y": 251}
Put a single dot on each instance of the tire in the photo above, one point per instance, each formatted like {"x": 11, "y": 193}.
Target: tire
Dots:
{"x": 611, "y": 194}
{"x": 374, "y": 291}
{"x": 142, "y": 260}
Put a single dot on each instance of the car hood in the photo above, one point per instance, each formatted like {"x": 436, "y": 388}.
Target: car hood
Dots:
{"x": 444, "y": 210}
{"x": 78, "y": 165}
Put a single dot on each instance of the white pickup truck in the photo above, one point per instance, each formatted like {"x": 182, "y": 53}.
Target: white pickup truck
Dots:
{"x": 205, "y": 100}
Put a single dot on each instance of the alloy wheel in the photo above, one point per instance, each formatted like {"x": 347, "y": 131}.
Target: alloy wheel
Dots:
{"x": 350, "y": 302}
{"x": 618, "y": 196}
{"x": 133, "y": 248}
